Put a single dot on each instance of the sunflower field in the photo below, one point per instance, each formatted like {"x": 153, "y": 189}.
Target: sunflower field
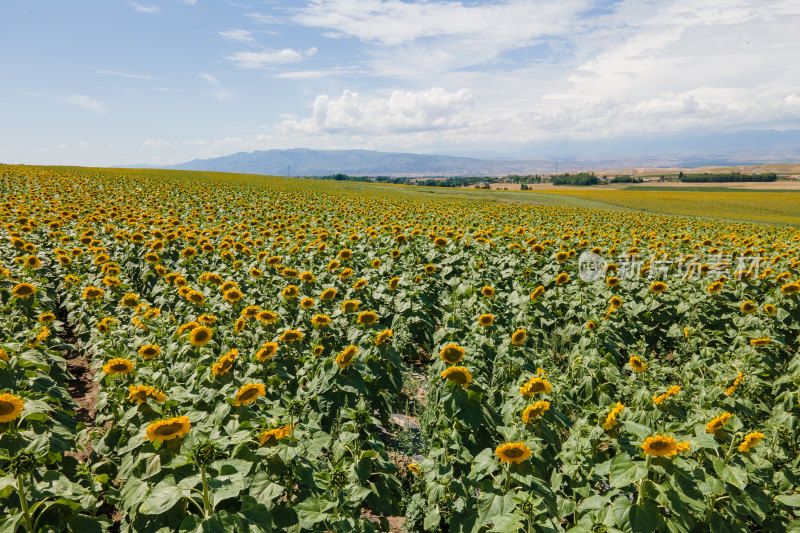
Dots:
{"x": 184, "y": 351}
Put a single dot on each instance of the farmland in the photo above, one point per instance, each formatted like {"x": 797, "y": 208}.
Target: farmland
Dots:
{"x": 185, "y": 351}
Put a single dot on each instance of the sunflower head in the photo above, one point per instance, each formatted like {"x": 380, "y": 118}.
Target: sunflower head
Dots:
{"x": 393, "y": 283}
{"x": 232, "y": 295}
{"x": 367, "y": 318}
{"x": 660, "y": 445}
{"x": 534, "y": 411}
{"x": 10, "y": 407}
{"x": 458, "y": 375}
{"x": 750, "y": 440}
{"x": 118, "y": 366}
{"x": 748, "y": 306}
{"x": 200, "y": 336}
{"x": 149, "y": 351}
{"x": 383, "y": 336}
{"x": 537, "y": 293}
{"x": 291, "y": 335}
{"x": 249, "y": 394}
{"x": 345, "y": 358}
{"x": 658, "y": 287}
{"x": 637, "y": 364}
{"x": 486, "y": 320}
{"x": 513, "y": 452}
{"x": 536, "y": 385}
{"x": 168, "y": 429}
{"x": 717, "y": 423}
{"x": 518, "y": 337}
{"x": 487, "y": 292}
{"x": 350, "y": 306}
{"x": 452, "y": 353}
{"x": 562, "y": 278}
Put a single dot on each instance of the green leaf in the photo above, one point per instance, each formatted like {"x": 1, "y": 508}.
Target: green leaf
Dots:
{"x": 492, "y": 505}
{"x": 313, "y": 511}
{"x": 432, "y": 519}
{"x": 162, "y": 497}
{"x": 789, "y": 500}
{"x": 623, "y": 471}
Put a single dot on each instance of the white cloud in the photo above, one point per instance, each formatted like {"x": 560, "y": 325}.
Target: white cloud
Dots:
{"x": 401, "y": 111}
{"x": 86, "y": 102}
{"x": 239, "y": 36}
{"x": 209, "y": 78}
{"x": 144, "y": 8}
{"x": 190, "y": 2}
{"x": 393, "y": 22}
{"x": 264, "y": 19}
{"x": 125, "y": 75}
{"x": 259, "y": 60}
{"x": 156, "y": 144}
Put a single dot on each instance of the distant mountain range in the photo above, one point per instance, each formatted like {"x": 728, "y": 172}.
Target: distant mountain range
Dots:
{"x": 305, "y": 162}
{"x": 730, "y": 150}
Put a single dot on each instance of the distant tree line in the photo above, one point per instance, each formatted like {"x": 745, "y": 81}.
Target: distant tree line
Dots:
{"x": 626, "y": 179}
{"x": 582, "y": 178}
{"x": 724, "y": 177}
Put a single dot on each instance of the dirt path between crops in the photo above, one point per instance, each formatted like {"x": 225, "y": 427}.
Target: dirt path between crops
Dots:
{"x": 83, "y": 388}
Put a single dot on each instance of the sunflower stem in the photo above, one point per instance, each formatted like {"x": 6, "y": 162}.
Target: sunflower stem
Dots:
{"x": 206, "y": 503}
{"x": 24, "y": 502}
{"x": 508, "y": 476}
{"x": 730, "y": 448}
{"x": 640, "y": 499}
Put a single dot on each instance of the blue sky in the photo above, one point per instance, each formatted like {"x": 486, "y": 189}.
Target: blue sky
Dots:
{"x": 103, "y": 82}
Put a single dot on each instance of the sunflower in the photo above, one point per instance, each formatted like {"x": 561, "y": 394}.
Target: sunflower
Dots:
{"x": 750, "y": 440}
{"x": 267, "y": 350}
{"x": 715, "y": 287}
{"x": 200, "y": 336}
{"x": 615, "y": 302}
{"x": 736, "y": 382}
{"x": 393, "y": 283}
{"x": 562, "y": 278}
{"x": 535, "y": 385}
{"x": 256, "y": 273}
{"x": 487, "y": 292}
{"x": 118, "y": 366}
{"x": 770, "y": 309}
{"x": 10, "y": 407}
{"x": 346, "y": 273}
{"x": 537, "y": 292}
{"x": 660, "y": 445}
{"x": 591, "y": 325}
{"x": 486, "y": 320}
{"x": 458, "y": 375}
{"x": 611, "y": 419}
{"x": 308, "y": 277}
{"x": 345, "y": 254}
{"x": 307, "y": 303}
{"x": 140, "y": 394}
{"x": 239, "y": 325}
{"x": 3, "y": 355}
{"x": 748, "y": 307}
{"x": 760, "y": 342}
{"x": 111, "y": 281}
{"x": 267, "y": 317}
{"x": 350, "y": 306}
{"x": 717, "y": 423}
{"x": 345, "y": 358}
{"x": 291, "y": 335}
{"x": 376, "y": 263}
{"x": 612, "y": 281}
{"x": 383, "y": 336}
{"x": 168, "y": 429}
{"x": 518, "y": 337}
{"x": 225, "y": 363}
{"x": 32, "y": 262}
{"x": 130, "y": 300}
{"x": 367, "y": 318}
{"x": 47, "y": 318}
{"x": 534, "y": 411}
{"x": 452, "y": 353}
{"x": 249, "y": 394}
{"x": 207, "y": 319}
{"x": 92, "y": 293}
{"x": 149, "y": 351}
{"x": 196, "y": 297}
{"x": 658, "y": 287}
{"x": 271, "y": 437}
{"x": 232, "y": 295}
{"x": 290, "y": 273}
{"x": 250, "y": 311}
{"x": 413, "y": 468}
{"x": 512, "y": 452}
{"x": 321, "y": 320}
{"x": 562, "y": 256}
{"x": 637, "y": 364}
{"x": 360, "y": 284}
{"x": 328, "y": 294}
{"x": 790, "y": 288}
